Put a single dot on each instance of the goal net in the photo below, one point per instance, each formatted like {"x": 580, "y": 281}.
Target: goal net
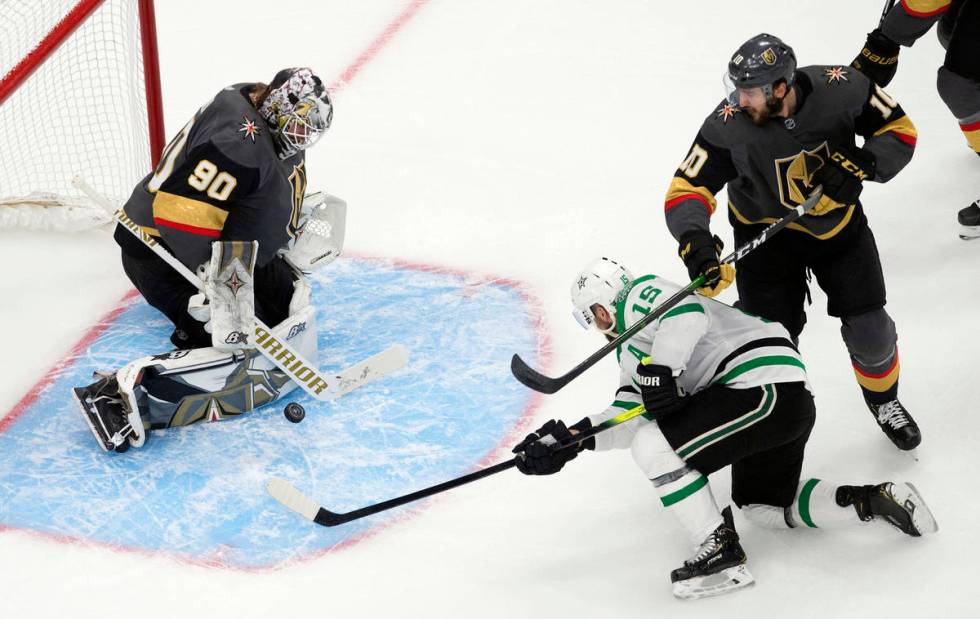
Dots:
{"x": 79, "y": 96}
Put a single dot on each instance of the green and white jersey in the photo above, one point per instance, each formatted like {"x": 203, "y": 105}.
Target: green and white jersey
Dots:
{"x": 704, "y": 341}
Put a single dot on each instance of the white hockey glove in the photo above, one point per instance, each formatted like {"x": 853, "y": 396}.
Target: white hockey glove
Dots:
{"x": 319, "y": 238}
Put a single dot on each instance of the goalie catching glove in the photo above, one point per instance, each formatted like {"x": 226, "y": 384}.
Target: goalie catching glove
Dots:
{"x": 319, "y": 237}
{"x": 539, "y": 453}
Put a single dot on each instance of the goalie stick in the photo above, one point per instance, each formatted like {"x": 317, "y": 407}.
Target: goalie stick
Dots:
{"x": 288, "y": 495}
{"x": 306, "y": 375}
{"x": 530, "y": 377}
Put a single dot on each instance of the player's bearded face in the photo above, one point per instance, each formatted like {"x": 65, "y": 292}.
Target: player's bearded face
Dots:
{"x": 759, "y": 108}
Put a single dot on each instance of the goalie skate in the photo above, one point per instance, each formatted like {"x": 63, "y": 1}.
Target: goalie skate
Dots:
{"x": 106, "y": 416}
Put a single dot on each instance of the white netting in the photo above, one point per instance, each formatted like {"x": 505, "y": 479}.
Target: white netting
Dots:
{"x": 83, "y": 112}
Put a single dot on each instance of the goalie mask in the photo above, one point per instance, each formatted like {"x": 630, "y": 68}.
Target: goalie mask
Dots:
{"x": 298, "y": 109}
{"x": 604, "y": 282}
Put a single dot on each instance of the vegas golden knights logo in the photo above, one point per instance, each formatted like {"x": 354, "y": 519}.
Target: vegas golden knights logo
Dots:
{"x": 298, "y": 180}
{"x": 795, "y": 174}
{"x": 769, "y": 56}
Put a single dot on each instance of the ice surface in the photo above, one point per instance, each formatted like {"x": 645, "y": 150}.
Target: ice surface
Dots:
{"x": 524, "y": 139}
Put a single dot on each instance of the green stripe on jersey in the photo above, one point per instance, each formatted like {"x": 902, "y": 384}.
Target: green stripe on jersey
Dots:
{"x": 679, "y": 495}
{"x": 682, "y": 309}
{"x": 758, "y": 362}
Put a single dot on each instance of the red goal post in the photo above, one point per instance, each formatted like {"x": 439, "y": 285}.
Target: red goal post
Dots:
{"x": 79, "y": 95}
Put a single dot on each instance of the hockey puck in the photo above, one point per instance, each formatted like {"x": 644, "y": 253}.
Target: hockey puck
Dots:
{"x": 294, "y": 412}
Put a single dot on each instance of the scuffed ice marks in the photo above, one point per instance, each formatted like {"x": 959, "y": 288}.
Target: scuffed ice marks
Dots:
{"x": 197, "y": 492}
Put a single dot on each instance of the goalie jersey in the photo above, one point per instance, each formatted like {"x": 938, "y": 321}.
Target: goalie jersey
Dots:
{"x": 708, "y": 342}
{"x": 220, "y": 178}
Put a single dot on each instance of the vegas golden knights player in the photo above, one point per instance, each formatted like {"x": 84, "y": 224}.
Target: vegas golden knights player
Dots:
{"x": 236, "y": 174}
{"x": 958, "y": 80}
{"x": 781, "y": 132}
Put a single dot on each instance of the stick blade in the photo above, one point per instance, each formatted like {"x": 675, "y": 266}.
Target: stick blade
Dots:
{"x": 374, "y": 367}
{"x": 533, "y": 379}
{"x": 288, "y": 495}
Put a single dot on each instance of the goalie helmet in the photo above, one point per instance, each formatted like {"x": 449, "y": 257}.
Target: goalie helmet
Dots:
{"x": 604, "y": 282}
{"x": 298, "y": 109}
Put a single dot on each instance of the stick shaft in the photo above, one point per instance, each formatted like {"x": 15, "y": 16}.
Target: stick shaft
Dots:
{"x": 539, "y": 382}
{"x": 272, "y": 347}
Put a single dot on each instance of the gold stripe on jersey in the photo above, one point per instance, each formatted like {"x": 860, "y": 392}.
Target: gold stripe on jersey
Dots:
{"x": 680, "y": 188}
{"x": 925, "y": 8}
{"x": 150, "y": 231}
{"x": 795, "y": 226}
{"x": 903, "y": 126}
{"x": 187, "y": 212}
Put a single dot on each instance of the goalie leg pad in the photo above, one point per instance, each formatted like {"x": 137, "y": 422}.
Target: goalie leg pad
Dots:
{"x": 182, "y": 387}
{"x": 229, "y": 286}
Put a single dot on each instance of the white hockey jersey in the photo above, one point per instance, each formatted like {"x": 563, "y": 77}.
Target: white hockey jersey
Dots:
{"x": 704, "y": 341}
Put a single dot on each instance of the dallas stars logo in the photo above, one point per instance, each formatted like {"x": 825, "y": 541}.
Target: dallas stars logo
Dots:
{"x": 727, "y": 111}
{"x": 248, "y": 128}
{"x": 835, "y": 75}
{"x": 581, "y": 283}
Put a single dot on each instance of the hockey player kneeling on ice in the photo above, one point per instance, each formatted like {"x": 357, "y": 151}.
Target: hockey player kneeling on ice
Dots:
{"x": 720, "y": 387}
{"x": 227, "y": 199}
{"x": 182, "y": 387}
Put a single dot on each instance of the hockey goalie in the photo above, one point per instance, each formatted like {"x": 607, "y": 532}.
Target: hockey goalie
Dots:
{"x": 227, "y": 202}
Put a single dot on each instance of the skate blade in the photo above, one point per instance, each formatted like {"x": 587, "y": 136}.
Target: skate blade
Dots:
{"x": 727, "y": 580}
{"x": 88, "y": 420}
{"x": 969, "y": 233}
{"x": 922, "y": 518}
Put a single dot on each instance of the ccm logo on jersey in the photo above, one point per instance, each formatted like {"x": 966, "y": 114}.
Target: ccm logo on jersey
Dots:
{"x": 849, "y": 165}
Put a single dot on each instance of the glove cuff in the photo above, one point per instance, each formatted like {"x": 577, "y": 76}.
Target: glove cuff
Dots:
{"x": 882, "y": 44}
{"x": 584, "y": 426}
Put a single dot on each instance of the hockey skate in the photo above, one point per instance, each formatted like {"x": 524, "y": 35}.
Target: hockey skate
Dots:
{"x": 900, "y": 505}
{"x": 717, "y": 567}
{"x": 969, "y": 219}
{"x": 107, "y": 415}
{"x": 897, "y": 424}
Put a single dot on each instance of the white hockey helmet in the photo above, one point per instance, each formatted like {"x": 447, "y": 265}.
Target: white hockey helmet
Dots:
{"x": 604, "y": 282}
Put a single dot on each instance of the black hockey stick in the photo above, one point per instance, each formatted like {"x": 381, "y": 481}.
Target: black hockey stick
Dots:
{"x": 545, "y": 384}
{"x": 884, "y": 12}
{"x": 288, "y": 495}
